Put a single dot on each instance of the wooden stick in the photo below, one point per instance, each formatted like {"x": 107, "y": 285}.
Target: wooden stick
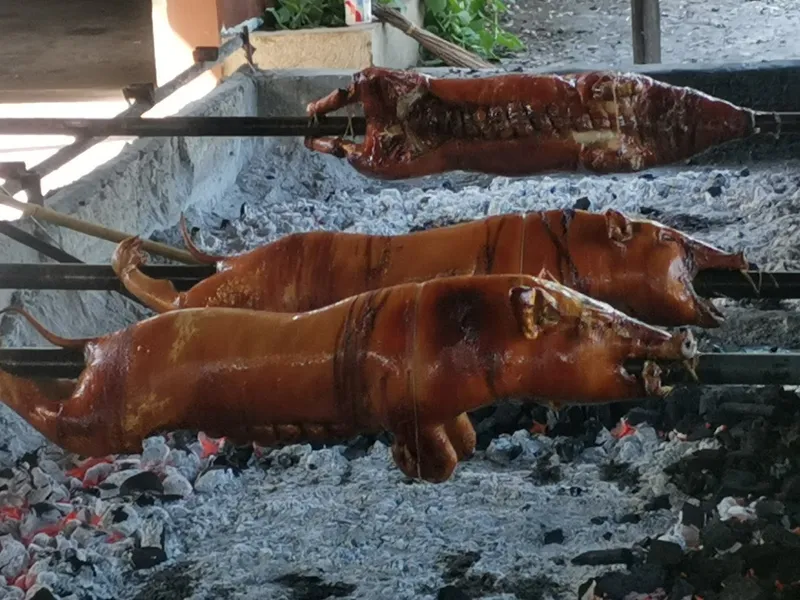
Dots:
{"x": 98, "y": 231}
{"x": 451, "y": 54}
{"x": 646, "y": 29}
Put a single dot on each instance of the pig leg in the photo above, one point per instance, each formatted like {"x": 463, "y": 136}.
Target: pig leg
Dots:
{"x": 157, "y": 294}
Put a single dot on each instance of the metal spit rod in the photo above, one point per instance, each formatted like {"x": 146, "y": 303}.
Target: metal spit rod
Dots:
{"x": 768, "y": 122}
{"x": 186, "y": 126}
{"x": 764, "y": 368}
{"x": 728, "y": 284}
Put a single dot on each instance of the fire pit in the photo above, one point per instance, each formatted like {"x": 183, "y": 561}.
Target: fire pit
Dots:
{"x": 697, "y": 496}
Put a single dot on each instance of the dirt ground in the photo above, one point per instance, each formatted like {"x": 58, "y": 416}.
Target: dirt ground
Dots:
{"x": 564, "y": 33}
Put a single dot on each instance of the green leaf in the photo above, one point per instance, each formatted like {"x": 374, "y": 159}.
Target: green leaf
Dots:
{"x": 436, "y": 6}
{"x": 510, "y": 41}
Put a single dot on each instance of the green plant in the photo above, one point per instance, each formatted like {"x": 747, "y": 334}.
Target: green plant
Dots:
{"x": 473, "y": 25}
{"x": 305, "y": 14}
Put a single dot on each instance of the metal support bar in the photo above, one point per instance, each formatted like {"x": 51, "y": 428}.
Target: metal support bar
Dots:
{"x": 25, "y": 238}
{"x": 85, "y": 141}
{"x": 735, "y": 368}
{"x": 646, "y": 29}
{"x": 725, "y": 284}
{"x": 92, "y": 277}
{"x": 779, "y": 285}
{"x": 186, "y": 126}
{"x": 712, "y": 369}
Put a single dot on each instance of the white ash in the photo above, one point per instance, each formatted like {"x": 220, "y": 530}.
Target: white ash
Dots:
{"x": 299, "y": 512}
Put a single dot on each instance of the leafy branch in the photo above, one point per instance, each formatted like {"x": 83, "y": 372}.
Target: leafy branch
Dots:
{"x": 472, "y": 24}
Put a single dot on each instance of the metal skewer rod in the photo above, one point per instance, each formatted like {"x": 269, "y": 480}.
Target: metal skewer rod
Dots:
{"x": 769, "y": 123}
{"x": 186, "y": 126}
{"x": 45, "y": 276}
{"x": 745, "y": 368}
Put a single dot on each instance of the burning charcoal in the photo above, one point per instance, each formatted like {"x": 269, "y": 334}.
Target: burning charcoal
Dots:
{"x": 556, "y": 536}
{"x": 175, "y": 484}
{"x": 145, "y": 481}
{"x": 664, "y": 553}
{"x": 614, "y": 556}
{"x": 146, "y": 558}
{"x": 213, "y": 479}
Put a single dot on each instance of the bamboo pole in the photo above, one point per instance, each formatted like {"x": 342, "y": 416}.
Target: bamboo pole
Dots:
{"x": 98, "y": 231}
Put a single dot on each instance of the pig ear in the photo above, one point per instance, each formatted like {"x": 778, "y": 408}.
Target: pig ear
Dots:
{"x": 619, "y": 226}
{"x": 534, "y": 309}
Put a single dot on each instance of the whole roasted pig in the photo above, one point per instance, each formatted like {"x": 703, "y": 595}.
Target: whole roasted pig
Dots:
{"x": 524, "y": 124}
{"x": 640, "y": 267}
{"x": 410, "y": 359}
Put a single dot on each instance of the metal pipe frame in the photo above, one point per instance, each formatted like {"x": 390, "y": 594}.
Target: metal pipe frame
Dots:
{"x": 717, "y": 369}
{"x": 138, "y": 108}
{"x": 723, "y": 284}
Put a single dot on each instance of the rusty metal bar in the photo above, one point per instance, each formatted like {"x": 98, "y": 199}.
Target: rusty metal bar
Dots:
{"x": 738, "y": 368}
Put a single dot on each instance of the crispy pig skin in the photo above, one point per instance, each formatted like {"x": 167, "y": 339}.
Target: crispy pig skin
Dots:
{"x": 638, "y": 266}
{"x": 411, "y": 359}
{"x": 524, "y": 124}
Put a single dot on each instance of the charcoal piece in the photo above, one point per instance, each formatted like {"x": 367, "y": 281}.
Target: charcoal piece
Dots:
{"x": 791, "y": 489}
{"x": 29, "y": 459}
{"x": 629, "y": 518}
{"x": 742, "y": 588}
{"x": 305, "y": 587}
{"x": 43, "y": 594}
{"x": 582, "y": 203}
{"x": 693, "y": 515}
{"x": 556, "y": 536}
{"x": 770, "y": 510}
{"x": 658, "y": 503}
{"x": 717, "y": 535}
{"x": 644, "y": 579}
{"x": 681, "y": 589}
{"x": 146, "y": 481}
{"x": 638, "y": 415}
{"x": 607, "y": 535}
{"x": 743, "y": 483}
{"x": 706, "y": 574}
{"x": 6, "y": 473}
{"x": 664, "y": 553}
{"x": 148, "y": 557}
{"x": 614, "y": 556}
{"x": 780, "y": 536}
{"x": 746, "y": 409}
{"x": 598, "y": 520}
{"x": 358, "y": 447}
{"x": 451, "y": 592}
{"x": 772, "y": 562}
{"x": 456, "y": 565}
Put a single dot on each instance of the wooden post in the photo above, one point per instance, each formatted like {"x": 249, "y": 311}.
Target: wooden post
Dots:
{"x": 646, "y": 27}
